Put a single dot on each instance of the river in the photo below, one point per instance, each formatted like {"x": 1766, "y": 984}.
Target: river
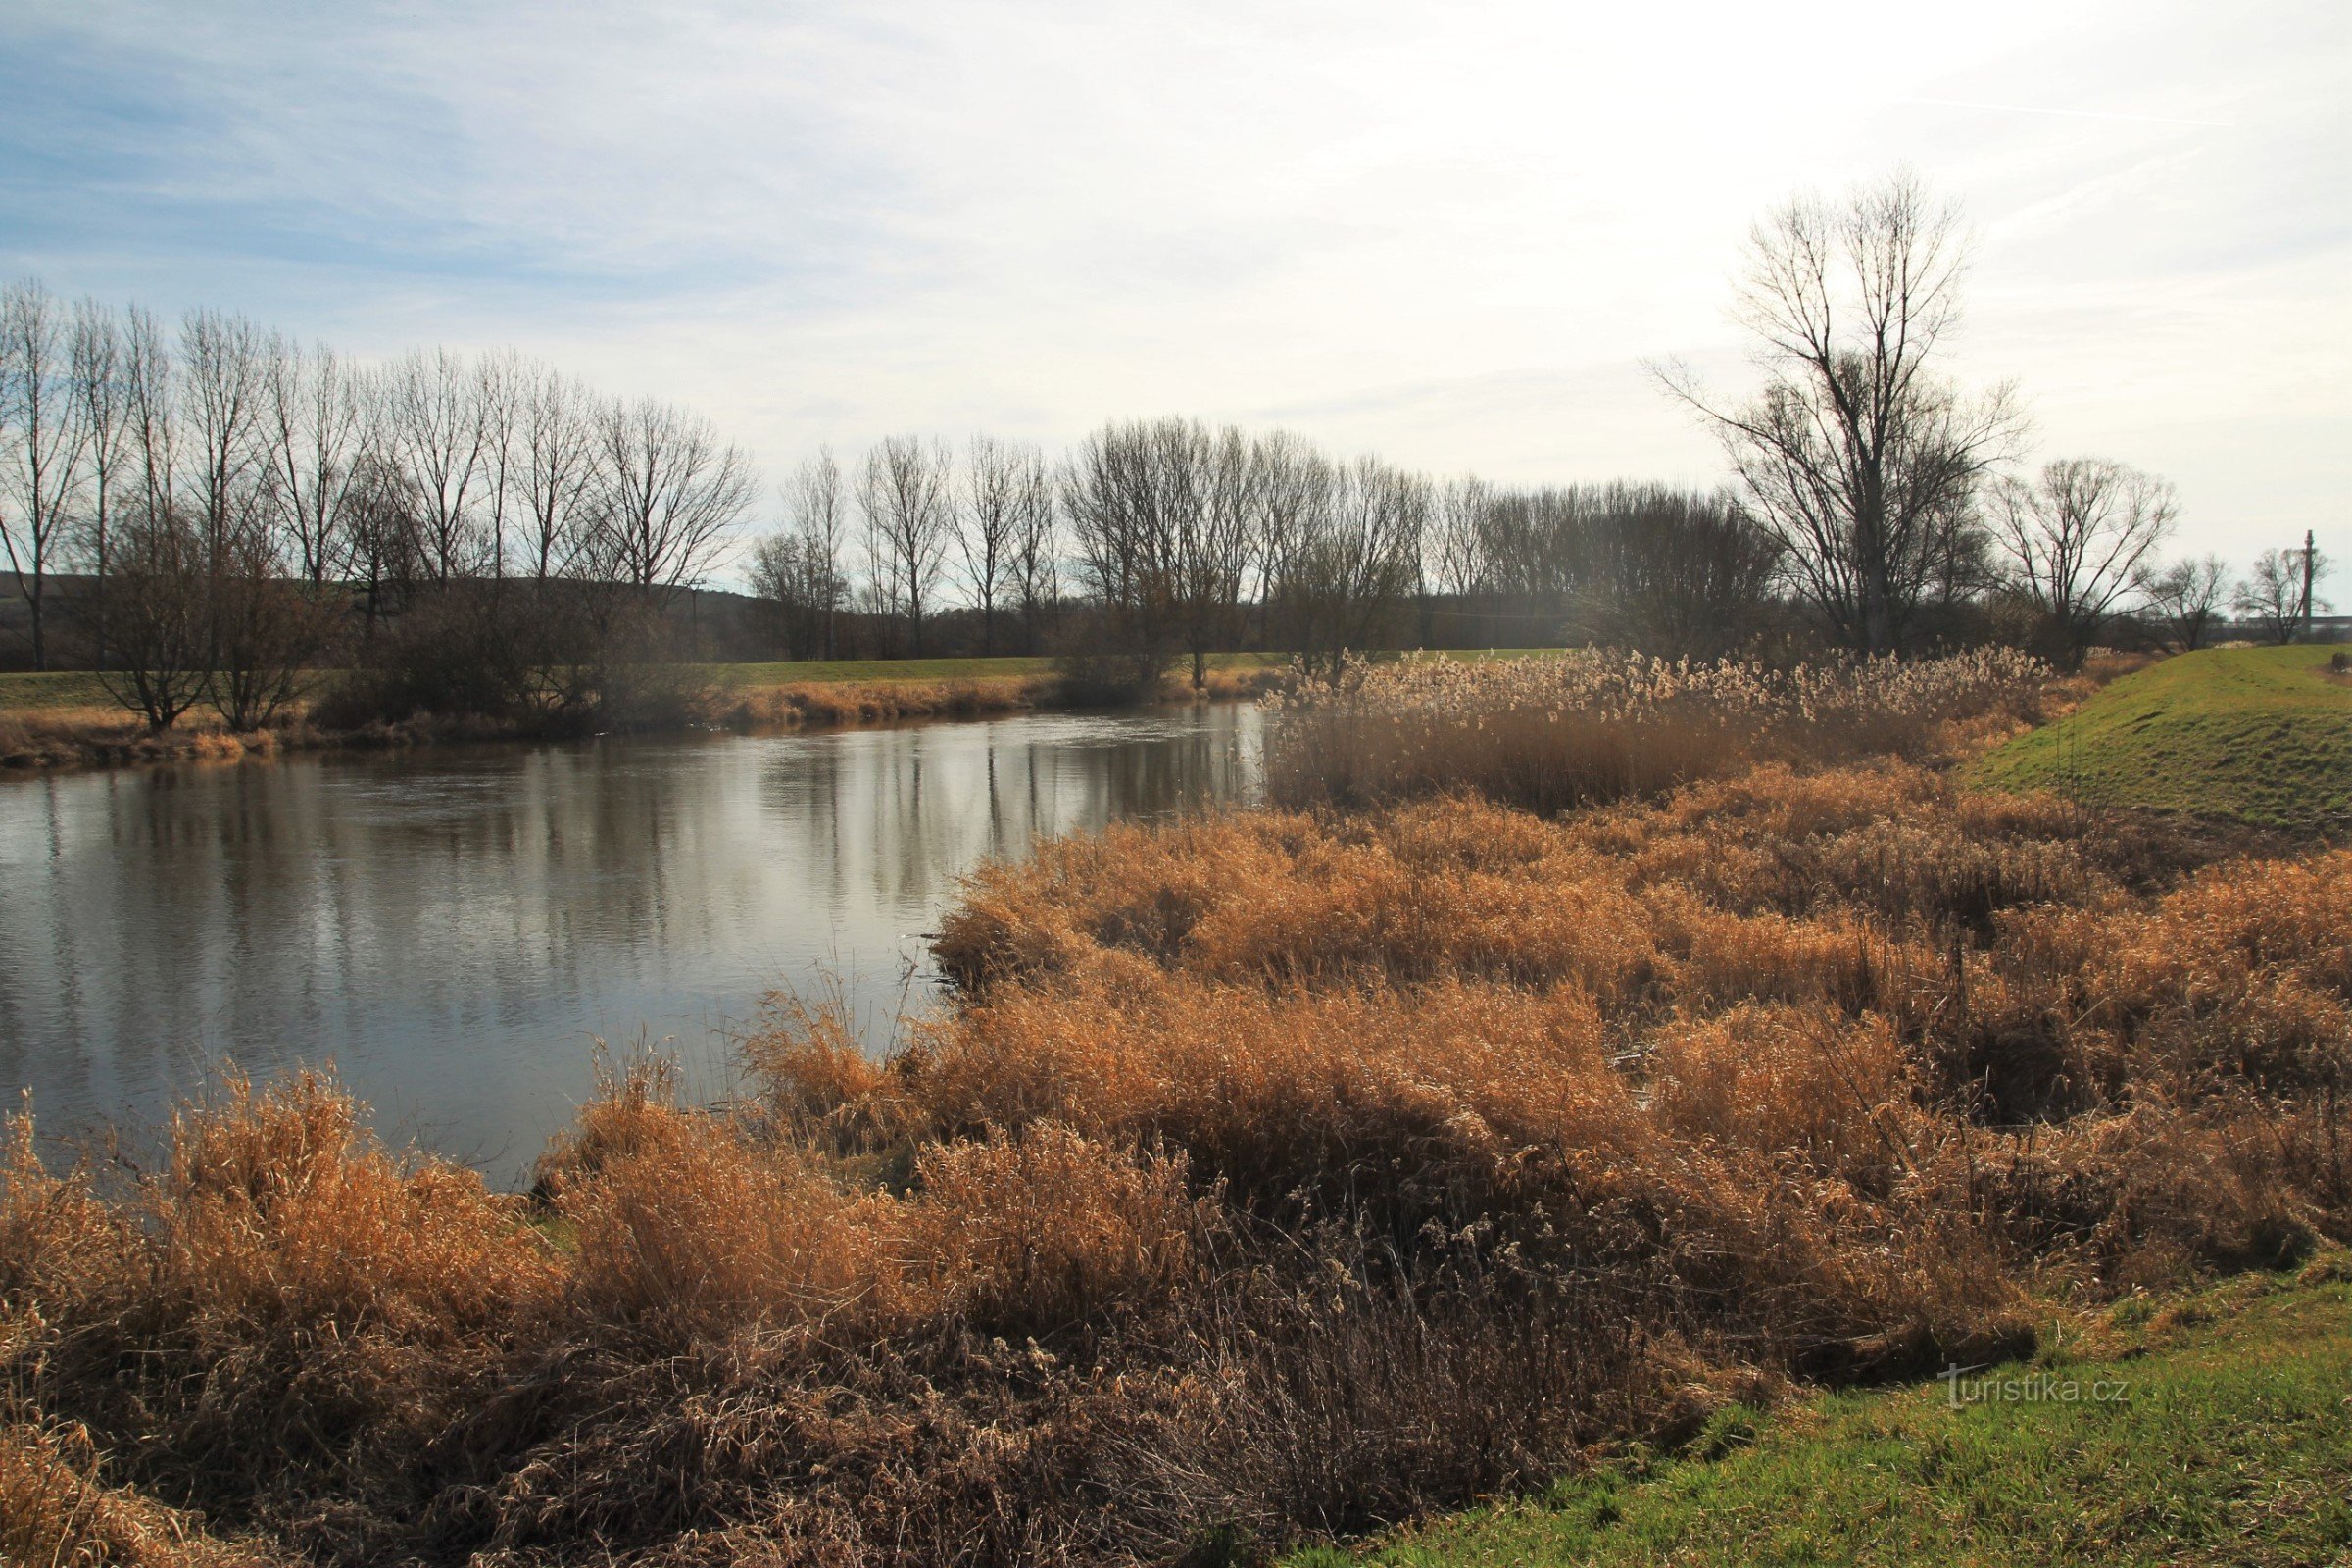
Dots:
{"x": 454, "y": 928}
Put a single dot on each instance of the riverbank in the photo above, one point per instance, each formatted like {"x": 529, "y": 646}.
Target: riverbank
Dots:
{"x": 66, "y": 720}
{"x": 1276, "y": 1176}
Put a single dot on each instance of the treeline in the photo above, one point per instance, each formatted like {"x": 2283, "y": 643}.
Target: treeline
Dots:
{"x": 1155, "y": 543}
{"x": 481, "y": 535}
{"x": 489, "y": 536}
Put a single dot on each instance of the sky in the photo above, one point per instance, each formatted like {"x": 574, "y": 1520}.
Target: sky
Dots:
{"x": 1452, "y": 233}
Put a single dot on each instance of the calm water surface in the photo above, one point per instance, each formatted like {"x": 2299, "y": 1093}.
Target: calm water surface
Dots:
{"x": 454, "y": 929}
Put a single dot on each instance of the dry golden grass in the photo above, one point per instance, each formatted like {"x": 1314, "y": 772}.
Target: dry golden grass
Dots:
{"x": 1274, "y": 1175}
{"x": 1567, "y": 731}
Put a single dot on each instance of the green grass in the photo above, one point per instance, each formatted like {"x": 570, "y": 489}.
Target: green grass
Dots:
{"x": 2226, "y": 1438}
{"x": 70, "y": 688}
{"x": 2261, "y": 735}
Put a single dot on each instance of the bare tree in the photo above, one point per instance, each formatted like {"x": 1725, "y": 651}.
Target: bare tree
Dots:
{"x": 2073, "y": 542}
{"x": 153, "y": 396}
{"x": 502, "y": 389}
{"x": 102, "y": 388}
{"x": 905, "y": 498}
{"x": 1036, "y": 559}
{"x": 1673, "y": 573}
{"x": 554, "y": 457}
{"x": 673, "y": 489}
{"x": 1856, "y": 455}
{"x": 988, "y": 524}
{"x": 313, "y": 425}
{"x": 386, "y": 534}
{"x": 2274, "y": 598}
{"x": 1349, "y": 556}
{"x": 1123, "y": 490}
{"x": 263, "y": 629}
{"x": 2187, "y": 597}
{"x": 435, "y": 433}
{"x": 160, "y": 662}
{"x": 1214, "y": 512}
{"x": 1455, "y": 559}
{"x": 222, "y": 394}
{"x": 815, "y": 502}
{"x": 792, "y": 574}
{"x": 43, "y": 438}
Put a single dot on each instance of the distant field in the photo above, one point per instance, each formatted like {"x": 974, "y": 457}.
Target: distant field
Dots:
{"x": 2262, "y": 735}
{"x": 73, "y": 687}
{"x": 2225, "y": 1444}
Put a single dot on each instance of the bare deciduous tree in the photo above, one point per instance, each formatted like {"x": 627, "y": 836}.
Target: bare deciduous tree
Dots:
{"x": 1035, "y": 564}
{"x": 1670, "y": 572}
{"x": 102, "y": 388}
{"x": 2186, "y": 598}
{"x": 159, "y": 661}
{"x": 672, "y": 491}
{"x": 817, "y": 505}
{"x": 1123, "y": 489}
{"x": 44, "y": 437}
{"x": 2073, "y": 541}
{"x": 386, "y": 534}
{"x": 988, "y": 524}
{"x": 502, "y": 389}
{"x": 1859, "y": 457}
{"x": 436, "y": 434}
{"x": 906, "y": 497}
{"x": 1454, "y": 558}
{"x": 313, "y": 425}
{"x": 263, "y": 629}
{"x": 1216, "y": 533}
{"x": 2273, "y": 598}
{"x": 223, "y": 362}
{"x": 1345, "y": 558}
{"x": 555, "y": 461}
{"x": 792, "y": 574}
{"x": 149, "y": 381}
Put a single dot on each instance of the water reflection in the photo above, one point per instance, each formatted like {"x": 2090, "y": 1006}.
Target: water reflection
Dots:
{"x": 452, "y": 928}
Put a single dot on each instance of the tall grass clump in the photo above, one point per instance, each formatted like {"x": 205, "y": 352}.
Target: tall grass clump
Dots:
{"x": 1556, "y": 732}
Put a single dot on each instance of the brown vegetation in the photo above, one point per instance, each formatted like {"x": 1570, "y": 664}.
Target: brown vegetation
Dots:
{"x": 1275, "y": 1174}
{"x": 1560, "y": 731}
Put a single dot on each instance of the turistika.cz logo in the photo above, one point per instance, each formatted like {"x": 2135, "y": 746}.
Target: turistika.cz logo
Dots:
{"x": 2031, "y": 1388}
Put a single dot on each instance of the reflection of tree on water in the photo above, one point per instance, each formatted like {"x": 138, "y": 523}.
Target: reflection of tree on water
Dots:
{"x": 925, "y": 804}
{"x": 453, "y": 925}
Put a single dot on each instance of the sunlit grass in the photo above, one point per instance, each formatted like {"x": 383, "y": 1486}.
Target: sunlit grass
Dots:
{"x": 2262, "y": 735}
{"x": 2221, "y": 1444}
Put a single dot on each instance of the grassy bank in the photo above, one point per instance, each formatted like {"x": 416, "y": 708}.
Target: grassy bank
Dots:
{"x": 2209, "y": 1429}
{"x": 2260, "y": 735}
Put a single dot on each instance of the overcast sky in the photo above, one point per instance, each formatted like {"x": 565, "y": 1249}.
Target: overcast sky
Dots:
{"x": 1451, "y": 233}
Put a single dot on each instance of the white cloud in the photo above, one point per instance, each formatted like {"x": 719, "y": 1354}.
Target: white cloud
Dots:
{"x": 1448, "y": 232}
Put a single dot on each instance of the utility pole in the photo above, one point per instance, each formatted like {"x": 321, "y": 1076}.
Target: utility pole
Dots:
{"x": 2306, "y": 607}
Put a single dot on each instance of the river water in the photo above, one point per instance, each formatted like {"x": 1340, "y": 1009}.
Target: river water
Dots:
{"x": 454, "y": 929}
